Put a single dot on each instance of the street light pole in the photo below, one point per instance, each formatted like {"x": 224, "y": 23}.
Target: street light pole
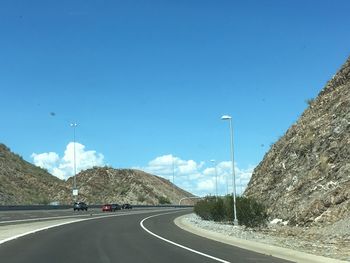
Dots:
{"x": 216, "y": 178}
{"x": 229, "y": 118}
{"x": 74, "y": 125}
{"x": 172, "y": 157}
{"x": 227, "y": 192}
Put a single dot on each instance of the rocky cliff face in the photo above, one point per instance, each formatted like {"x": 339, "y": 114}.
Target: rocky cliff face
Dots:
{"x": 305, "y": 176}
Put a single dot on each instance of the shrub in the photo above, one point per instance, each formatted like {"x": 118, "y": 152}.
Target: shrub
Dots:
{"x": 228, "y": 207}
{"x": 310, "y": 101}
{"x": 43, "y": 200}
{"x": 124, "y": 190}
{"x": 250, "y": 213}
{"x": 202, "y": 209}
{"x": 217, "y": 209}
{"x": 141, "y": 198}
{"x": 210, "y": 208}
{"x": 163, "y": 200}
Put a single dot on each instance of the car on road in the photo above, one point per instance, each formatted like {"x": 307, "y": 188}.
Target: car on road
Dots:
{"x": 111, "y": 207}
{"x": 116, "y": 207}
{"x": 80, "y": 206}
{"x": 126, "y": 206}
{"x": 107, "y": 208}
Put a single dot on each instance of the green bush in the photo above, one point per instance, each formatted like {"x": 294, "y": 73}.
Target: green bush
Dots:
{"x": 210, "y": 208}
{"x": 141, "y": 198}
{"x": 124, "y": 190}
{"x": 250, "y": 213}
{"x": 217, "y": 210}
{"x": 201, "y": 208}
{"x": 163, "y": 200}
{"x": 228, "y": 207}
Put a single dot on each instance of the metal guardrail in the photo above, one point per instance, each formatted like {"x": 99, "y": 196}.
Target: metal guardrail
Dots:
{"x": 189, "y": 198}
{"x": 33, "y": 207}
{"x": 56, "y": 207}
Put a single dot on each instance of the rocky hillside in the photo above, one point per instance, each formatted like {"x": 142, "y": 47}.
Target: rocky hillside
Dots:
{"x": 23, "y": 183}
{"x": 107, "y": 185}
{"x": 305, "y": 176}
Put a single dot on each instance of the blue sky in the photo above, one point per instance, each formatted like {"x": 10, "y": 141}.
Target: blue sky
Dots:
{"x": 147, "y": 81}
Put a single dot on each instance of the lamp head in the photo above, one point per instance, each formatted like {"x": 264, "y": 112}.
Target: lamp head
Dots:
{"x": 226, "y": 117}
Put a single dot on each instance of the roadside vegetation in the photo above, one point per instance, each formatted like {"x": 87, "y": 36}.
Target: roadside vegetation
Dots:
{"x": 162, "y": 200}
{"x": 250, "y": 212}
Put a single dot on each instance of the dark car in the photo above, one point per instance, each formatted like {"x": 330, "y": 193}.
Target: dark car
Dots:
{"x": 116, "y": 207}
{"x": 126, "y": 206}
{"x": 80, "y": 206}
{"x": 107, "y": 208}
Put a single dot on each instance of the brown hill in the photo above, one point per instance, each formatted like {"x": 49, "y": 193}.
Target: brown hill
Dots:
{"x": 305, "y": 177}
{"x": 107, "y": 185}
{"x": 23, "y": 183}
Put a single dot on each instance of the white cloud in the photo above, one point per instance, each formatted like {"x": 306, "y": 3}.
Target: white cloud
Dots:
{"x": 46, "y": 160}
{"x": 64, "y": 167}
{"x": 199, "y": 177}
{"x": 187, "y": 167}
{"x": 206, "y": 185}
{"x": 167, "y": 164}
{"x": 195, "y": 176}
{"x": 209, "y": 171}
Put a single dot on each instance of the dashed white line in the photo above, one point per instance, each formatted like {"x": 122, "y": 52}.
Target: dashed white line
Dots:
{"x": 176, "y": 244}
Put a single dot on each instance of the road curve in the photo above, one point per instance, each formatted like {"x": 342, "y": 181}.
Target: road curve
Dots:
{"x": 124, "y": 239}
{"x": 25, "y": 216}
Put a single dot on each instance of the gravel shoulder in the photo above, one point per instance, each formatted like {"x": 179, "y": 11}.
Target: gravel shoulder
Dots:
{"x": 313, "y": 244}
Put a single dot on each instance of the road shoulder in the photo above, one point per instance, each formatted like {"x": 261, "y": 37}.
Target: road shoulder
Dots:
{"x": 10, "y": 232}
{"x": 284, "y": 253}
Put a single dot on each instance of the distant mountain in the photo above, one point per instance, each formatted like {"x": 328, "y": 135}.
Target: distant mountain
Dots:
{"x": 107, "y": 185}
{"x": 23, "y": 183}
{"x": 305, "y": 176}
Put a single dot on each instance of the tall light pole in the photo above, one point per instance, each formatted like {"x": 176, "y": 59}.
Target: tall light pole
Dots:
{"x": 227, "y": 192}
{"x": 75, "y": 190}
{"x": 216, "y": 178}
{"x": 229, "y": 118}
{"x": 172, "y": 158}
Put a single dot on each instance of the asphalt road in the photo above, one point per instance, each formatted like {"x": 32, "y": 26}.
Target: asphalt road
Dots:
{"x": 23, "y": 216}
{"x": 27, "y": 215}
{"x": 124, "y": 238}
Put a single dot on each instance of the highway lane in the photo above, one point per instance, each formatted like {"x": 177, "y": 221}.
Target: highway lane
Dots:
{"x": 162, "y": 225}
{"x": 23, "y": 216}
{"x": 30, "y": 215}
{"x": 122, "y": 239}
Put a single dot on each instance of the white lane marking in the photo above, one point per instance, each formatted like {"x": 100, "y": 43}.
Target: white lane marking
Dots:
{"x": 37, "y": 230}
{"x": 75, "y": 221}
{"x": 176, "y": 244}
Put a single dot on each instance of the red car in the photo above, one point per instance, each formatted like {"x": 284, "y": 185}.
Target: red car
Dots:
{"x": 107, "y": 207}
